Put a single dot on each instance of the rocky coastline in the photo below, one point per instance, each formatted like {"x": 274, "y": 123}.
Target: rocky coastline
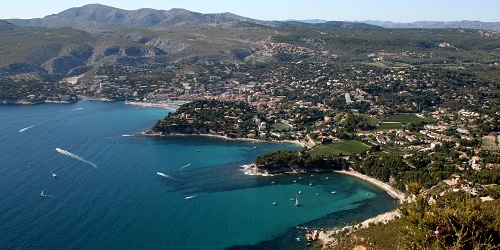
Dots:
{"x": 222, "y": 137}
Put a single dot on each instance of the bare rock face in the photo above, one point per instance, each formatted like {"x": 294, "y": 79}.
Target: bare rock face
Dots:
{"x": 73, "y": 57}
{"x": 168, "y": 45}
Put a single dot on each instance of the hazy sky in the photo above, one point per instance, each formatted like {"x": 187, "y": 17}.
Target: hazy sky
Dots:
{"x": 334, "y": 10}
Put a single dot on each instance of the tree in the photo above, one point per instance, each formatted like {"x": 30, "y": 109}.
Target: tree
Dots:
{"x": 457, "y": 223}
{"x": 414, "y": 188}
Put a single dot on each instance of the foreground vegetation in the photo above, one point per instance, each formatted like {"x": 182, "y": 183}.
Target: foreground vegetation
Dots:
{"x": 454, "y": 221}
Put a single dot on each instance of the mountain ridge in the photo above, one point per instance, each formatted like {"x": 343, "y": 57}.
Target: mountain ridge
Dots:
{"x": 99, "y": 17}
{"x": 78, "y": 39}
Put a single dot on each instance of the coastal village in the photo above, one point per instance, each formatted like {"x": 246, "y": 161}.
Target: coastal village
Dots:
{"x": 396, "y": 125}
{"x": 439, "y": 127}
{"x": 408, "y": 109}
{"x": 403, "y": 110}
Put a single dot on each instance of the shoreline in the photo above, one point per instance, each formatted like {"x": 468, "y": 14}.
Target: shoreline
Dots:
{"x": 169, "y": 106}
{"x": 380, "y": 184}
{"x": 251, "y": 169}
{"x": 327, "y": 237}
{"x": 222, "y": 137}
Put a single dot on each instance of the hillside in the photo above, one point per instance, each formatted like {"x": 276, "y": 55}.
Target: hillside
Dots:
{"x": 78, "y": 39}
{"x": 55, "y": 53}
{"x": 101, "y": 18}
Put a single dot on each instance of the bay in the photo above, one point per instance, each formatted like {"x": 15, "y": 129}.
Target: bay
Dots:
{"x": 108, "y": 195}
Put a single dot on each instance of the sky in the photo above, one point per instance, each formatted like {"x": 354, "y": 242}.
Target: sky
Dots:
{"x": 331, "y": 10}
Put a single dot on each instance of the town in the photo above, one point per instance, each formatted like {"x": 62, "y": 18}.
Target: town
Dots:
{"x": 433, "y": 118}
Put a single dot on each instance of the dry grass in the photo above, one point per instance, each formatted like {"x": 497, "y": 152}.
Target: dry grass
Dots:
{"x": 490, "y": 142}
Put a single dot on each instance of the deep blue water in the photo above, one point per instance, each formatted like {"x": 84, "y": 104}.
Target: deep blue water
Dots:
{"x": 107, "y": 194}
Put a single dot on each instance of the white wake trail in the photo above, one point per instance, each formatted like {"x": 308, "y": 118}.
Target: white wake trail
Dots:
{"x": 190, "y": 197}
{"x": 185, "y": 166}
{"x": 24, "y": 129}
{"x": 47, "y": 195}
{"x": 64, "y": 152}
{"x": 166, "y": 176}
{"x": 32, "y": 126}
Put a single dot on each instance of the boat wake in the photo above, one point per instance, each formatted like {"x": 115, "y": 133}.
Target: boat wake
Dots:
{"x": 46, "y": 195}
{"x": 24, "y": 129}
{"x": 166, "y": 176}
{"x": 64, "y": 152}
{"x": 185, "y": 166}
{"x": 190, "y": 197}
{"x": 78, "y": 109}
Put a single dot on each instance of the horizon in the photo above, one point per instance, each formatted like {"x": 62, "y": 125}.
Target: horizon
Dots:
{"x": 355, "y": 11}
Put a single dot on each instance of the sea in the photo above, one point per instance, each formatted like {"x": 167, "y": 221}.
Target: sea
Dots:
{"x": 112, "y": 190}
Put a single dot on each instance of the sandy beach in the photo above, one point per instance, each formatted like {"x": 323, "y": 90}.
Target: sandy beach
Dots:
{"x": 327, "y": 236}
{"x": 388, "y": 188}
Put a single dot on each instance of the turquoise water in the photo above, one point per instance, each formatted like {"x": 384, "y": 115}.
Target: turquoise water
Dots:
{"x": 107, "y": 194}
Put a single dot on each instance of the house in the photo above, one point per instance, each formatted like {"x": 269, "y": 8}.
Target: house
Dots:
{"x": 411, "y": 138}
{"x": 381, "y": 139}
{"x": 475, "y": 163}
{"x": 454, "y": 181}
{"x": 262, "y": 126}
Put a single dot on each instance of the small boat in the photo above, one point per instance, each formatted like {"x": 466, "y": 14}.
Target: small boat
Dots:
{"x": 310, "y": 183}
{"x": 189, "y": 197}
{"x": 41, "y": 194}
{"x": 300, "y": 192}
{"x": 294, "y": 181}
{"x": 333, "y": 192}
{"x": 275, "y": 203}
{"x": 161, "y": 174}
{"x": 54, "y": 175}
{"x": 296, "y": 201}
{"x": 272, "y": 182}
{"x": 297, "y": 239}
{"x": 318, "y": 194}
{"x": 327, "y": 178}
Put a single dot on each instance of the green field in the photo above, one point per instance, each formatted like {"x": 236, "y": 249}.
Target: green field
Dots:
{"x": 389, "y": 125}
{"x": 372, "y": 121}
{"x": 386, "y": 64}
{"x": 280, "y": 126}
{"x": 403, "y": 118}
{"x": 344, "y": 148}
